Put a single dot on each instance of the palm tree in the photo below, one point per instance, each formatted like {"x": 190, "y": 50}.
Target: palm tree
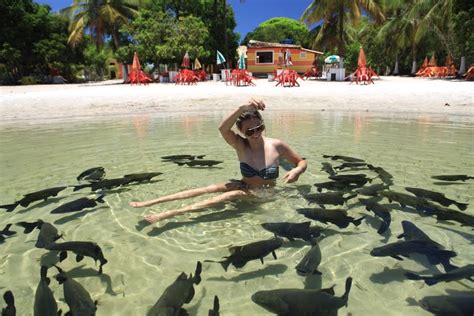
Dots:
{"x": 338, "y": 12}
{"x": 100, "y": 18}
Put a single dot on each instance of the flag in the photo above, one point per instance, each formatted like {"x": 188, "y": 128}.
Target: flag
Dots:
{"x": 220, "y": 58}
{"x": 197, "y": 64}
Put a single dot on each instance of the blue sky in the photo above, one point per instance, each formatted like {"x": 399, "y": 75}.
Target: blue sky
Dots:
{"x": 248, "y": 13}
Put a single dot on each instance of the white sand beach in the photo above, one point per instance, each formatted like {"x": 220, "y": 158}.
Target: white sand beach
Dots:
{"x": 388, "y": 96}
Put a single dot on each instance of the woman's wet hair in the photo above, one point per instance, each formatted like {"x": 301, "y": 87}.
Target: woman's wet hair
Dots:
{"x": 247, "y": 116}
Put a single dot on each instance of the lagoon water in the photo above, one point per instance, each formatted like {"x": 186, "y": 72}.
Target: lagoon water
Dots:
{"x": 144, "y": 260}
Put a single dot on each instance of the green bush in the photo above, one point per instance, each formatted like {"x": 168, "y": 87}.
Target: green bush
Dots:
{"x": 28, "y": 80}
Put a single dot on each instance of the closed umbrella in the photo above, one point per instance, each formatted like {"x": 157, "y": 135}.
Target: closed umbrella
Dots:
{"x": 332, "y": 59}
{"x": 433, "y": 62}
{"x": 136, "y": 63}
{"x": 242, "y": 61}
{"x": 288, "y": 61}
{"x": 361, "y": 61}
{"x": 185, "y": 63}
{"x": 220, "y": 58}
{"x": 197, "y": 64}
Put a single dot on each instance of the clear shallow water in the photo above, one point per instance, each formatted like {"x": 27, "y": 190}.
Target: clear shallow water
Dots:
{"x": 143, "y": 261}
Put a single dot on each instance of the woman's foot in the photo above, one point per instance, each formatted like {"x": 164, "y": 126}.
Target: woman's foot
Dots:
{"x": 137, "y": 204}
{"x": 153, "y": 218}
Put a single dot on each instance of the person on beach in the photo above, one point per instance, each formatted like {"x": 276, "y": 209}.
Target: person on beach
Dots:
{"x": 259, "y": 163}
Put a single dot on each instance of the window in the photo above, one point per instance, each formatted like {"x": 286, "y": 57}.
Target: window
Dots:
{"x": 302, "y": 55}
{"x": 264, "y": 57}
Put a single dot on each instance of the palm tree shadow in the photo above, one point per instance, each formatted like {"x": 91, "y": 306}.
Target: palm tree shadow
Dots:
{"x": 80, "y": 272}
{"x": 274, "y": 269}
{"x": 76, "y": 215}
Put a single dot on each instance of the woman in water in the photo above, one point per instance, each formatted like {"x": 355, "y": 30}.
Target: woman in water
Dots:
{"x": 259, "y": 163}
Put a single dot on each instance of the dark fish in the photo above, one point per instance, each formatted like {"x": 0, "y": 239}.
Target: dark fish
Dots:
{"x": 335, "y": 186}
{"x": 141, "y": 177}
{"x": 215, "y": 308}
{"x": 78, "y": 205}
{"x": 104, "y": 184}
{"x": 383, "y": 174}
{"x": 372, "y": 190}
{"x": 293, "y": 230}
{"x": 337, "y": 217}
{"x": 182, "y": 157}
{"x": 180, "y": 292}
{"x": 6, "y": 232}
{"x": 92, "y": 174}
{"x": 301, "y": 301}
{"x": 359, "y": 179}
{"x": 450, "y": 215}
{"x": 240, "y": 255}
{"x": 436, "y": 197}
{"x": 48, "y": 233}
{"x": 81, "y": 249}
{"x": 33, "y": 197}
{"x": 345, "y": 158}
{"x": 331, "y": 198}
{"x": 465, "y": 272}
{"x": 310, "y": 262}
{"x": 415, "y": 202}
{"x": 449, "y": 305}
{"x": 381, "y": 211}
{"x": 350, "y": 165}
{"x": 45, "y": 303}
{"x": 198, "y": 163}
{"x": 76, "y": 296}
{"x": 456, "y": 177}
{"x": 10, "y": 309}
{"x": 405, "y": 248}
{"x": 327, "y": 167}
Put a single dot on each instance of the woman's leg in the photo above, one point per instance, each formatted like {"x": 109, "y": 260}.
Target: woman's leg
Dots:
{"x": 199, "y": 206}
{"x": 213, "y": 188}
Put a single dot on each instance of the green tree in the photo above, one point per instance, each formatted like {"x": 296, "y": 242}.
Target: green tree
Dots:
{"x": 277, "y": 29}
{"x": 336, "y": 13}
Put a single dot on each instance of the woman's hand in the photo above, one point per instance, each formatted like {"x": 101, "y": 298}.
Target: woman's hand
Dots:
{"x": 255, "y": 105}
{"x": 292, "y": 175}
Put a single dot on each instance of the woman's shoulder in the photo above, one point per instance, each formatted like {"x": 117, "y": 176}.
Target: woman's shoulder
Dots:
{"x": 274, "y": 141}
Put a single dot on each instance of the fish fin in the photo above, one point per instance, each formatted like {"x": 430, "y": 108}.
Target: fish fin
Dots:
{"x": 273, "y": 254}
{"x": 197, "y": 273}
{"x": 100, "y": 199}
{"x": 100, "y": 269}
{"x": 401, "y": 236}
{"x": 200, "y": 156}
{"x": 62, "y": 256}
{"x": 461, "y": 206}
{"x": 79, "y": 258}
{"x": 225, "y": 264}
{"x": 358, "y": 221}
{"x": 9, "y": 207}
{"x": 28, "y": 226}
{"x": 348, "y": 289}
{"x": 430, "y": 281}
{"x": 9, "y": 299}
{"x": 261, "y": 260}
{"x": 397, "y": 257}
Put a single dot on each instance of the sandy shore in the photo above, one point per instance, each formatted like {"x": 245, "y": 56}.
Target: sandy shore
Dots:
{"x": 388, "y": 96}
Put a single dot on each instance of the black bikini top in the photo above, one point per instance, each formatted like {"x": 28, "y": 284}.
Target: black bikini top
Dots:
{"x": 270, "y": 172}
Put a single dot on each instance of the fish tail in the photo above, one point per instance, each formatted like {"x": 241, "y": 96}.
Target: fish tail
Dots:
{"x": 6, "y": 231}
{"x": 100, "y": 199}
{"x": 348, "y": 289}
{"x": 461, "y": 206}
{"x": 358, "y": 221}
{"x": 9, "y": 299}
{"x": 28, "y": 226}
{"x": 197, "y": 273}
{"x": 9, "y": 207}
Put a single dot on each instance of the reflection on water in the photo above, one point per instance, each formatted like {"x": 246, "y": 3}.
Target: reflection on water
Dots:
{"x": 144, "y": 260}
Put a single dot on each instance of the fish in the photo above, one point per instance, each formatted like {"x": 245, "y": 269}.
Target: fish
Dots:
{"x": 33, "y": 197}
{"x": 350, "y": 165}
{"x": 331, "y": 198}
{"x": 183, "y": 157}
{"x": 415, "y": 202}
{"x": 240, "y": 255}
{"x": 381, "y": 211}
{"x": 454, "y": 177}
{"x": 382, "y": 173}
{"x": 10, "y": 309}
{"x": 215, "y": 308}
{"x": 76, "y": 296}
{"x": 436, "y": 197}
{"x": 104, "y": 184}
{"x": 310, "y": 262}
{"x": 465, "y": 272}
{"x": 337, "y": 217}
{"x": 180, "y": 292}
{"x": 359, "y": 179}
{"x": 45, "y": 303}
{"x": 48, "y": 233}
{"x": 449, "y": 305}
{"x": 92, "y": 174}
{"x": 372, "y": 190}
{"x": 293, "y": 230}
{"x": 327, "y": 167}
{"x": 335, "y": 186}
{"x": 451, "y": 215}
{"x": 198, "y": 163}
{"x": 345, "y": 158}
{"x": 400, "y": 249}
{"x": 78, "y": 205}
{"x": 141, "y": 177}
{"x": 302, "y": 301}
{"x": 81, "y": 249}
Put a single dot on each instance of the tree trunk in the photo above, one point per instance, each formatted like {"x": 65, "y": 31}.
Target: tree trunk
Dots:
{"x": 395, "y": 69}
{"x": 225, "y": 31}
{"x": 125, "y": 72}
{"x": 341, "y": 36}
{"x": 413, "y": 56}
{"x": 462, "y": 67}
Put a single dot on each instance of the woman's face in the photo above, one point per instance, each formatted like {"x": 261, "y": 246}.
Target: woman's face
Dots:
{"x": 252, "y": 128}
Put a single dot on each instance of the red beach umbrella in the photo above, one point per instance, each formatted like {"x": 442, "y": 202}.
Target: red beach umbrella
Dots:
{"x": 186, "y": 61}
{"x": 361, "y": 62}
{"x": 425, "y": 63}
{"x": 136, "y": 63}
{"x": 432, "y": 62}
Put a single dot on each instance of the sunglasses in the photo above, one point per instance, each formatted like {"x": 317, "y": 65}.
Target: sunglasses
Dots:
{"x": 256, "y": 129}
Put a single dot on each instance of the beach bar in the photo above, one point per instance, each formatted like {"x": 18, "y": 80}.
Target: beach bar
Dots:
{"x": 266, "y": 58}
